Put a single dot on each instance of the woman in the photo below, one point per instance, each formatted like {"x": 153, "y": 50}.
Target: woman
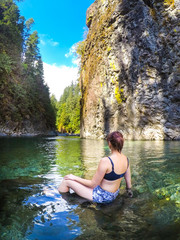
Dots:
{"x": 104, "y": 186}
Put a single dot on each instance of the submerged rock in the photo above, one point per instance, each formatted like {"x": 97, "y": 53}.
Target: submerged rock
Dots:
{"x": 130, "y": 70}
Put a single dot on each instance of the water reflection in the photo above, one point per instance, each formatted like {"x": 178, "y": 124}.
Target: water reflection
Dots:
{"x": 27, "y": 167}
{"x": 21, "y": 157}
{"x": 55, "y": 218}
{"x": 31, "y": 207}
{"x": 92, "y": 151}
{"x": 68, "y": 156}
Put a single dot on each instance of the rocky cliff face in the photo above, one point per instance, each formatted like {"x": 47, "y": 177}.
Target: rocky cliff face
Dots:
{"x": 130, "y": 70}
{"x": 28, "y": 128}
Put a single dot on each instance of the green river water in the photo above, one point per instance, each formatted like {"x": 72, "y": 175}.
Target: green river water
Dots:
{"x": 31, "y": 208}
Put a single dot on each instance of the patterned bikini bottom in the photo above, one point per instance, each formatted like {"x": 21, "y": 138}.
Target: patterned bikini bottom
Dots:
{"x": 102, "y": 196}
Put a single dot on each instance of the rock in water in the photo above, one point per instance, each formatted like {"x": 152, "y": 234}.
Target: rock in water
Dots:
{"x": 130, "y": 70}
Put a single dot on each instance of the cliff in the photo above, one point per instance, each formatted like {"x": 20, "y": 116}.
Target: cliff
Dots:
{"x": 130, "y": 70}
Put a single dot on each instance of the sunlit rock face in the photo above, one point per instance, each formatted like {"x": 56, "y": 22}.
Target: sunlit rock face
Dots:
{"x": 130, "y": 70}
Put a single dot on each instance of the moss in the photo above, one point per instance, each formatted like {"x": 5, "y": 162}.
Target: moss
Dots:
{"x": 96, "y": 46}
{"x": 80, "y": 48}
{"x": 89, "y": 20}
{"x": 109, "y": 48}
{"x": 118, "y": 95}
{"x": 112, "y": 80}
{"x": 112, "y": 65}
{"x": 122, "y": 90}
{"x": 153, "y": 13}
{"x": 169, "y": 2}
{"x": 169, "y": 193}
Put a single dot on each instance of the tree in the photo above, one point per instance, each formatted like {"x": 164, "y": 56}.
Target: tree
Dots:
{"x": 11, "y": 31}
{"x": 54, "y": 103}
{"x": 68, "y": 115}
{"x": 32, "y": 54}
{"x": 23, "y": 93}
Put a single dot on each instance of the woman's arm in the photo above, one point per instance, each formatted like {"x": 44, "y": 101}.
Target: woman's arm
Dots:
{"x": 97, "y": 178}
{"x": 127, "y": 177}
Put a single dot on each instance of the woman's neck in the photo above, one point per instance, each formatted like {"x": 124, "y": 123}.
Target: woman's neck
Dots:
{"x": 115, "y": 152}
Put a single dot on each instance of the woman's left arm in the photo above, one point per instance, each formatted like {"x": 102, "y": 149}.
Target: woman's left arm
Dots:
{"x": 97, "y": 178}
{"x": 127, "y": 177}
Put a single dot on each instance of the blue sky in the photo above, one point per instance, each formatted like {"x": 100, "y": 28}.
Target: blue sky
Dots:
{"x": 60, "y": 24}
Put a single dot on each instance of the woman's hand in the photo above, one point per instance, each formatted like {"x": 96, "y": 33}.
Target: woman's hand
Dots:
{"x": 129, "y": 192}
{"x": 70, "y": 177}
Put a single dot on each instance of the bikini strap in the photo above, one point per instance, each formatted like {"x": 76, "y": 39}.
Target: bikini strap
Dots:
{"x": 111, "y": 163}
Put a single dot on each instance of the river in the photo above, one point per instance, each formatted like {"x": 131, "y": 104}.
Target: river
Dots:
{"x": 31, "y": 208}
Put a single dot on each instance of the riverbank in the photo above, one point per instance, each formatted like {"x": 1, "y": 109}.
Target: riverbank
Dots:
{"x": 50, "y": 133}
{"x": 7, "y": 132}
{"x": 53, "y": 133}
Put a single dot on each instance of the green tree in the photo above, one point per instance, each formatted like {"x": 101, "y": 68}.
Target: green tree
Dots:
{"x": 68, "y": 115}
{"x": 11, "y": 32}
{"x": 23, "y": 93}
{"x": 54, "y": 104}
{"x": 32, "y": 55}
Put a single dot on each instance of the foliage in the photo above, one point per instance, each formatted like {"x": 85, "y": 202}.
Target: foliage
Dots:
{"x": 54, "y": 104}
{"x": 119, "y": 95}
{"x": 32, "y": 51}
{"x": 5, "y": 63}
{"x": 24, "y": 96}
{"x": 68, "y": 115}
{"x": 169, "y": 2}
{"x": 80, "y": 48}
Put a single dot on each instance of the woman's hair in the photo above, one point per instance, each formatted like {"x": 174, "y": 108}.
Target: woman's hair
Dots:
{"x": 116, "y": 139}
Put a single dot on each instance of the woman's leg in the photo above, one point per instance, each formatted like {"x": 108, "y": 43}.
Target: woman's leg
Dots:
{"x": 79, "y": 189}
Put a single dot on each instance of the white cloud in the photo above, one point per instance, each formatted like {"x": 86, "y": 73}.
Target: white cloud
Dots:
{"x": 53, "y": 43}
{"x": 76, "y": 59}
{"x": 72, "y": 51}
{"x": 59, "y": 77}
{"x": 45, "y": 40}
{"x": 42, "y": 42}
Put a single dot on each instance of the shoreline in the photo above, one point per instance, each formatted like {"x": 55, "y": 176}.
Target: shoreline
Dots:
{"x": 57, "y": 134}
{"x": 37, "y": 134}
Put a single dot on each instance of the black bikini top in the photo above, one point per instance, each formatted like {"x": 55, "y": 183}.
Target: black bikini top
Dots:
{"x": 112, "y": 175}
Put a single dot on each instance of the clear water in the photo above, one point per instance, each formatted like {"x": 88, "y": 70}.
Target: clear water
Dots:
{"x": 31, "y": 208}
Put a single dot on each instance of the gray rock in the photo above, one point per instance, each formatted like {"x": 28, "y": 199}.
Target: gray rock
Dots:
{"x": 130, "y": 70}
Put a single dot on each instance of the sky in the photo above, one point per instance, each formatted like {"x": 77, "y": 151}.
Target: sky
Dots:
{"x": 60, "y": 25}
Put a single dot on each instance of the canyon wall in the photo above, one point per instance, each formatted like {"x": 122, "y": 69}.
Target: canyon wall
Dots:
{"x": 130, "y": 70}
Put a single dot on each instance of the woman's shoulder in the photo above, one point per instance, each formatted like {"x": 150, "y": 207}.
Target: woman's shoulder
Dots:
{"x": 104, "y": 164}
{"x": 125, "y": 159}
{"x": 123, "y": 155}
{"x": 105, "y": 161}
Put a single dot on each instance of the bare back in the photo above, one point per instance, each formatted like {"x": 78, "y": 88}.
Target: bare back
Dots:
{"x": 120, "y": 167}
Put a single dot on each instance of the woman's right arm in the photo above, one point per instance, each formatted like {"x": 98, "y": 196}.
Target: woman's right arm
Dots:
{"x": 97, "y": 178}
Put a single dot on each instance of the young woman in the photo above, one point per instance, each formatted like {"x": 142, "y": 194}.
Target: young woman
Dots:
{"x": 104, "y": 186}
